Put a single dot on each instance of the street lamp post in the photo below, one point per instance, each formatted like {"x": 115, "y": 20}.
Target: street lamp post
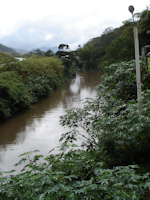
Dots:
{"x": 137, "y": 58}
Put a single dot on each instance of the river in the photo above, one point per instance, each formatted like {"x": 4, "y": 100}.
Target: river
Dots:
{"x": 38, "y": 128}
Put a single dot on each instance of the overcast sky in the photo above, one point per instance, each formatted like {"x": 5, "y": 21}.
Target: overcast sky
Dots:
{"x": 28, "y": 24}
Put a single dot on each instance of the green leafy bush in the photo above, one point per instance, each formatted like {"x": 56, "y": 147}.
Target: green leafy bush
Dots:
{"x": 14, "y": 96}
{"x": 6, "y": 58}
{"x": 38, "y": 87}
{"x": 72, "y": 175}
{"x": 113, "y": 120}
{"x": 23, "y": 83}
{"x": 36, "y": 66}
{"x": 114, "y": 160}
{"x": 120, "y": 49}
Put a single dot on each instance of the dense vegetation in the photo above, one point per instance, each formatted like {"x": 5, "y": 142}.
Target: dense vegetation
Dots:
{"x": 6, "y": 58}
{"x": 24, "y": 83}
{"x": 116, "y": 45}
{"x": 69, "y": 58}
{"x": 114, "y": 162}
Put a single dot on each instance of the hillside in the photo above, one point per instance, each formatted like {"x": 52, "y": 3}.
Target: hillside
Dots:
{"x": 54, "y": 49}
{"x": 8, "y": 50}
{"x": 116, "y": 45}
{"x": 21, "y": 51}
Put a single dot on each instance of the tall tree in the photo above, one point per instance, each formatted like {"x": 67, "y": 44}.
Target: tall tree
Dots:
{"x": 120, "y": 49}
{"x": 49, "y": 53}
{"x": 144, "y": 27}
{"x": 63, "y": 46}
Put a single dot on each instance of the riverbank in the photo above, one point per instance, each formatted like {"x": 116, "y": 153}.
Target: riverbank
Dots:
{"x": 115, "y": 162}
{"x": 24, "y": 83}
{"x": 39, "y": 127}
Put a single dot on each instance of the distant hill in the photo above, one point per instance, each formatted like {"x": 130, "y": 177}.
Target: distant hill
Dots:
{"x": 53, "y": 49}
{"x": 8, "y": 50}
{"x": 21, "y": 51}
{"x": 14, "y": 51}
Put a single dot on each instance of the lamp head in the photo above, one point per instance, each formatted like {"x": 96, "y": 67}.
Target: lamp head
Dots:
{"x": 131, "y": 9}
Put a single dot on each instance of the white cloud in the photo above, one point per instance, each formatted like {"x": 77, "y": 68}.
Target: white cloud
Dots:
{"x": 31, "y": 30}
{"x": 32, "y": 23}
{"x": 49, "y": 36}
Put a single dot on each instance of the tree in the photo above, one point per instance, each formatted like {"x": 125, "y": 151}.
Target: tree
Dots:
{"x": 49, "y": 53}
{"x": 85, "y": 55}
{"x": 107, "y": 30}
{"x": 116, "y": 43}
{"x": 63, "y": 46}
{"x": 120, "y": 49}
{"x": 37, "y": 52}
{"x": 93, "y": 52}
{"x": 143, "y": 27}
{"x": 127, "y": 29}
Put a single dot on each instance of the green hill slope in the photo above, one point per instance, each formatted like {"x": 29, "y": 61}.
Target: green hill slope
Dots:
{"x": 116, "y": 45}
{"x": 6, "y": 49}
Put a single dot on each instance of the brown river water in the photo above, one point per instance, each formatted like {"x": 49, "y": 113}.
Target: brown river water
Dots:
{"x": 38, "y": 128}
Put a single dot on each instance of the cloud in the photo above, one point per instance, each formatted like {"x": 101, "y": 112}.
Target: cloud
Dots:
{"x": 49, "y": 36}
{"x": 46, "y": 32}
{"x": 31, "y": 24}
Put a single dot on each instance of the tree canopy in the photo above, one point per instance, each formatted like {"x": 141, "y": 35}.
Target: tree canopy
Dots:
{"x": 63, "y": 46}
{"x": 115, "y": 44}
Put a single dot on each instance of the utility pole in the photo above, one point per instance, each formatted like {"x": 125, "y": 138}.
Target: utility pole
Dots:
{"x": 137, "y": 57}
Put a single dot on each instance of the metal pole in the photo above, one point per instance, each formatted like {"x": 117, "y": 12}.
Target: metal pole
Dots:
{"x": 137, "y": 57}
{"x": 137, "y": 61}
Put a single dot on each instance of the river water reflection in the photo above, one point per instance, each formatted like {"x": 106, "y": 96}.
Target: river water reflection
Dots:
{"x": 38, "y": 128}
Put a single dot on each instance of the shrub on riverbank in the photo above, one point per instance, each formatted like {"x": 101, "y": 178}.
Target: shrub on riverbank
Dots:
{"x": 74, "y": 175}
{"x": 115, "y": 162}
{"x": 114, "y": 121}
{"x": 23, "y": 83}
{"x": 14, "y": 95}
{"x": 6, "y": 58}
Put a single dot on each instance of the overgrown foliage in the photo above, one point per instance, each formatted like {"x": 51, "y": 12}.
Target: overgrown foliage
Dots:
{"x": 68, "y": 58}
{"x": 115, "y": 45}
{"x": 14, "y": 95}
{"x": 6, "y": 58}
{"x": 120, "y": 49}
{"x": 114, "y": 162}
{"x": 73, "y": 175}
{"x": 112, "y": 120}
{"x": 23, "y": 83}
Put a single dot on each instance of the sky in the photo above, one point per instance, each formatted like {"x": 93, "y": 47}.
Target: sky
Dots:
{"x": 32, "y": 24}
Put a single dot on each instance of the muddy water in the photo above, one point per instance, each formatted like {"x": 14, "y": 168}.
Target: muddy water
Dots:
{"x": 39, "y": 128}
